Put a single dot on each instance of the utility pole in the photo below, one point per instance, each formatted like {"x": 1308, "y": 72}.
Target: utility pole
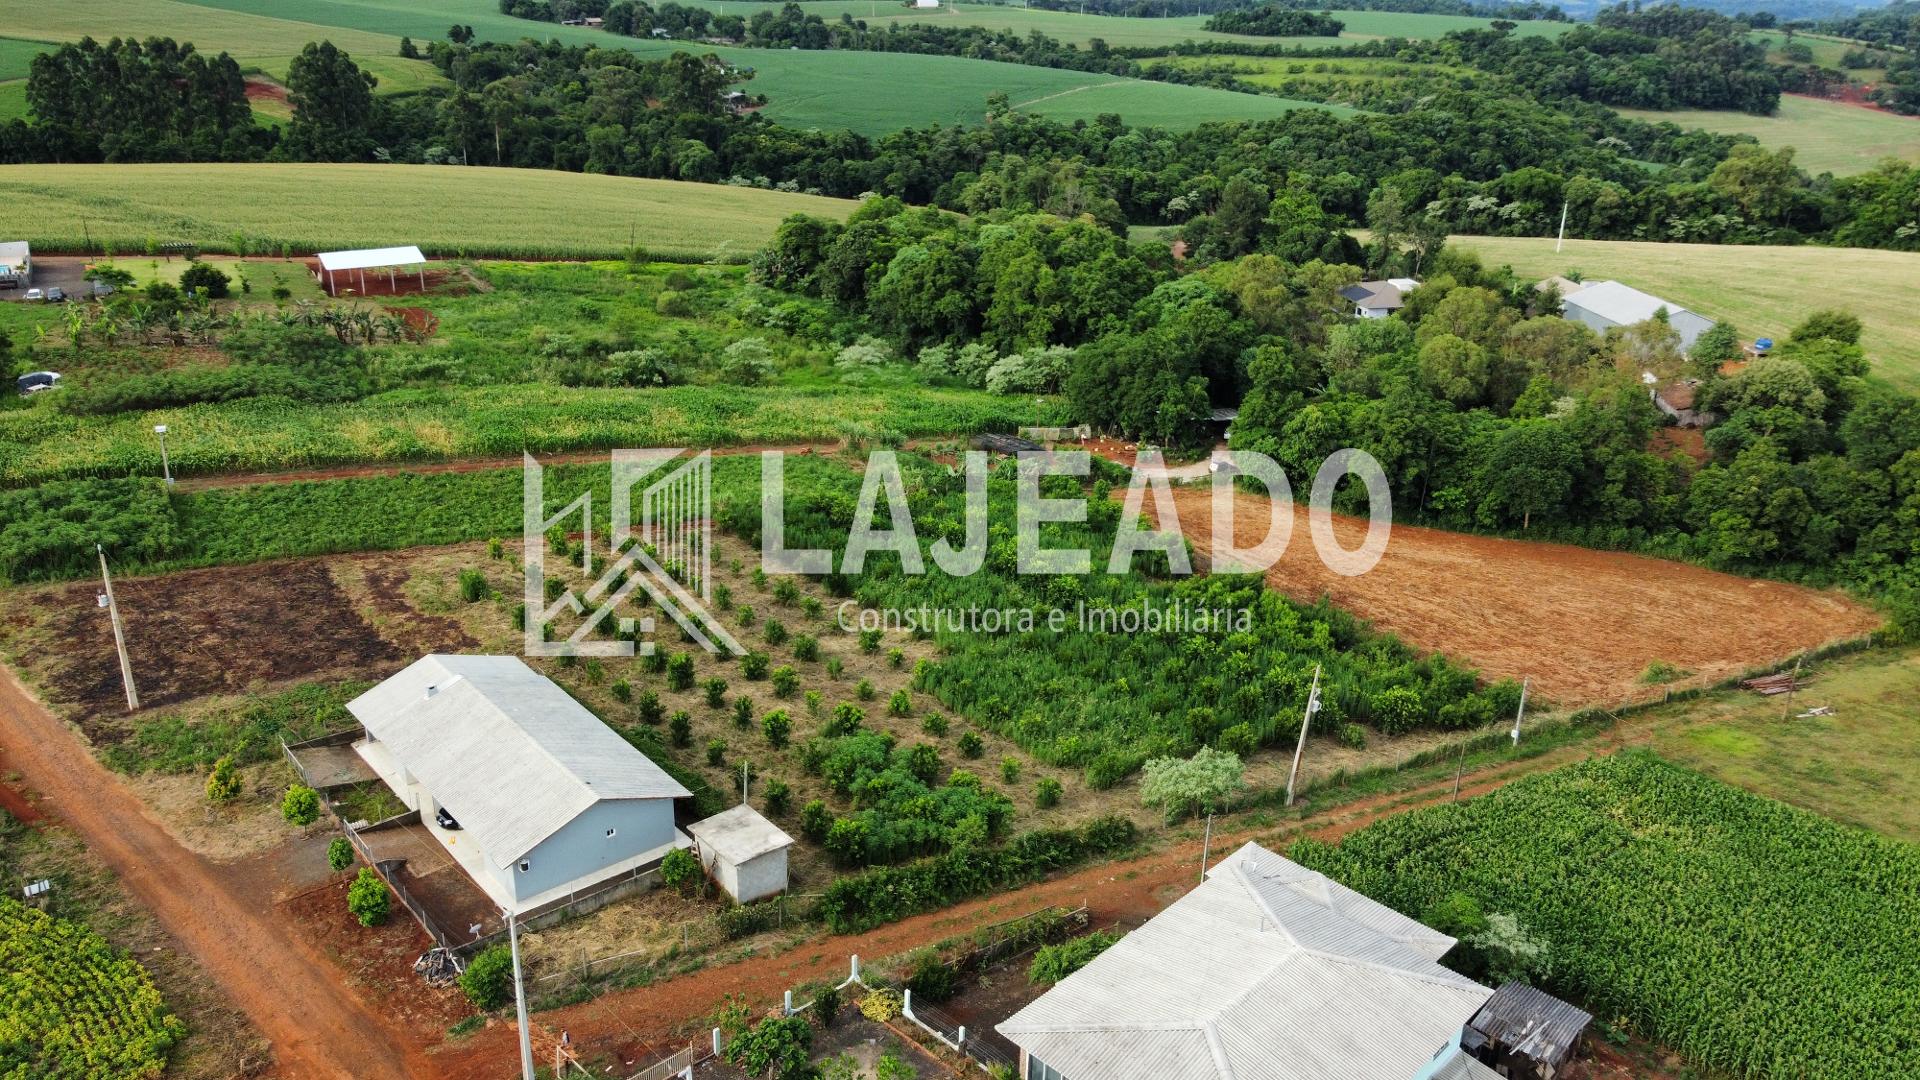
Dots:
{"x": 1523, "y": 709}
{"x": 1313, "y": 706}
{"x": 1206, "y": 847}
{"x": 119, "y": 634}
{"x": 1563, "y": 228}
{"x": 520, "y": 1001}
{"x": 166, "y": 468}
{"x": 1793, "y": 683}
{"x": 743, "y": 783}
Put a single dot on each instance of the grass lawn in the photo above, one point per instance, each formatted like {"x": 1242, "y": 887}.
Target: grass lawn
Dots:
{"x": 1766, "y": 291}
{"x": 1827, "y": 136}
{"x": 1860, "y": 766}
{"x": 446, "y": 209}
{"x": 263, "y": 275}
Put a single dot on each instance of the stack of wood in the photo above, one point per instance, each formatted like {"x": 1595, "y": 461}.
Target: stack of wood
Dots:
{"x": 439, "y": 967}
{"x": 1785, "y": 682}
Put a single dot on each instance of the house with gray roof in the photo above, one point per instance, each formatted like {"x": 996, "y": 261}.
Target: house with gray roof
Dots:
{"x": 1378, "y": 299}
{"x": 1604, "y": 305}
{"x": 531, "y": 794}
{"x": 1267, "y": 970}
{"x": 16, "y": 264}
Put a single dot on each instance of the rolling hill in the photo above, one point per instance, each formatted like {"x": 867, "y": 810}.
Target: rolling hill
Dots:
{"x": 447, "y": 210}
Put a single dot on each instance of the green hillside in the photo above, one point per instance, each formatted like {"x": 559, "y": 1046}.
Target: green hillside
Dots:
{"x": 872, "y": 93}
{"x": 445, "y": 209}
{"x": 1827, "y": 136}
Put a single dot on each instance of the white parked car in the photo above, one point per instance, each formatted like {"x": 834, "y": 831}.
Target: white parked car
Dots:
{"x": 34, "y": 294}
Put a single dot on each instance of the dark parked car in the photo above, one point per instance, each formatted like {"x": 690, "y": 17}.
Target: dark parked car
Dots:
{"x": 445, "y": 819}
{"x": 56, "y": 295}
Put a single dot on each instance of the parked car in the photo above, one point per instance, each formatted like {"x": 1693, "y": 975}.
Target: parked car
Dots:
{"x": 445, "y": 819}
{"x": 34, "y": 382}
{"x": 56, "y": 295}
{"x": 34, "y": 294}
{"x": 101, "y": 290}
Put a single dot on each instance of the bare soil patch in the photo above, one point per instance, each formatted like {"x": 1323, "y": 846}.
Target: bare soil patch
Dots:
{"x": 222, "y": 631}
{"x": 1583, "y": 624}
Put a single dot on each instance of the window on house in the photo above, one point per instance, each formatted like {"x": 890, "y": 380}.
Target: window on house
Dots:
{"x": 526, "y": 865}
{"x": 1040, "y": 1070}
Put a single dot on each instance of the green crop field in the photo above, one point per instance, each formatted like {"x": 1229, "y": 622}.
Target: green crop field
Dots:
{"x": 445, "y": 209}
{"x": 1827, "y": 136}
{"x": 1662, "y": 896}
{"x": 16, "y": 55}
{"x": 1766, "y": 291}
{"x": 855, "y": 90}
{"x": 13, "y": 100}
{"x": 210, "y": 29}
{"x": 1118, "y": 30}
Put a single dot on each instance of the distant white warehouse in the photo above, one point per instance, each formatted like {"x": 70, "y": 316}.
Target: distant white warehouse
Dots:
{"x": 544, "y": 799}
{"x": 1604, "y": 305}
{"x": 16, "y": 264}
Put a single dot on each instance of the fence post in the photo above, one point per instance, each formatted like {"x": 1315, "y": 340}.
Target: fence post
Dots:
{"x": 962, "y": 1038}
{"x": 786, "y": 1004}
{"x": 906, "y": 1003}
{"x": 716, "y": 1042}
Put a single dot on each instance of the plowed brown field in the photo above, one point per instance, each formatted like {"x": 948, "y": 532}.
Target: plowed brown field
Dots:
{"x": 1583, "y": 624}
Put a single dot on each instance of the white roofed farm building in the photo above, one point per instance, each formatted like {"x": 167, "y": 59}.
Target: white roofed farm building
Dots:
{"x": 1604, "y": 305}
{"x": 1267, "y": 969}
{"x": 398, "y": 269}
{"x": 542, "y": 800}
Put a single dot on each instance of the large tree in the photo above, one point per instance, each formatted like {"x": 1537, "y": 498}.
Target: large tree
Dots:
{"x": 332, "y": 103}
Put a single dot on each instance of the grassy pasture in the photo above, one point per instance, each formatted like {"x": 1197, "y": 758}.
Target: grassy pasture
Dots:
{"x": 1859, "y": 766}
{"x": 1827, "y": 136}
{"x": 445, "y": 209}
{"x": 1766, "y": 291}
{"x": 13, "y": 100}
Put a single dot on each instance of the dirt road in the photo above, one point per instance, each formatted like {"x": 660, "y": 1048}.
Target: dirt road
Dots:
{"x": 290, "y": 995}
{"x": 643, "y": 1024}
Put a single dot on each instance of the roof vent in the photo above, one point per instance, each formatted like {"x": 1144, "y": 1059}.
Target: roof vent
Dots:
{"x": 432, "y": 690}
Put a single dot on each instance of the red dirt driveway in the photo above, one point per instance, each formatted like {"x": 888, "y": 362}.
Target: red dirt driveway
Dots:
{"x": 289, "y": 995}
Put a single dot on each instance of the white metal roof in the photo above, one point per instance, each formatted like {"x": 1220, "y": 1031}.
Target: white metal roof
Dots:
{"x": 1622, "y": 304}
{"x": 1463, "y": 1066}
{"x": 371, "y": 258}
{"x": 1267, "y": 969}
{"x": 511, "y": 755}
{"x": 739, "y": 835}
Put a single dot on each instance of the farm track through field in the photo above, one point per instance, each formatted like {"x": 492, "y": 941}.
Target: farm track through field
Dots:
{"x": 641, "y": 1024}
{"x": 290, "y": 995}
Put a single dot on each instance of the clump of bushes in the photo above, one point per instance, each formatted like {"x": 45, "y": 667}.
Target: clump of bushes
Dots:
{"x": 1055, "y": 962}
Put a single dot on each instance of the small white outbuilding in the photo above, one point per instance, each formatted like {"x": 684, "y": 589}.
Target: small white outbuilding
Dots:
{"x": 745, "y": 853}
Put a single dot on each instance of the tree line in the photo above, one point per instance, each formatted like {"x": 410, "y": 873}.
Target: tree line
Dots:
{"x": 1274, "y": 20}
{"x": 1486, "y": 408}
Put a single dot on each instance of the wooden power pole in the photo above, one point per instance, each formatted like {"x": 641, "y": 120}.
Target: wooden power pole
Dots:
{"x": 119, "y": 633}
